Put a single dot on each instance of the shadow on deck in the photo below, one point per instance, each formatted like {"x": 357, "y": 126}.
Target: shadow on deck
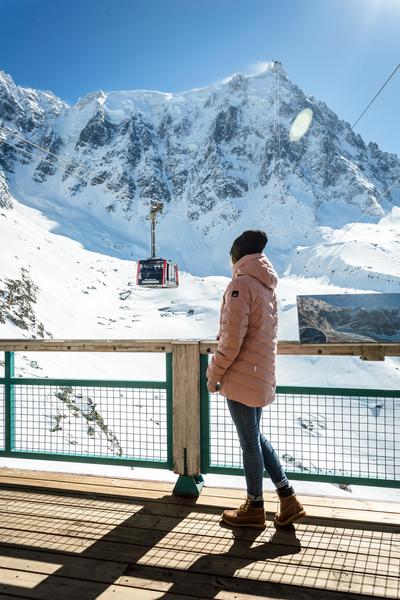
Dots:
{"x": 84, "y": 537}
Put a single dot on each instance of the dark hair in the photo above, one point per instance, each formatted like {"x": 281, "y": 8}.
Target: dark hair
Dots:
{"x": 251, "y": 241}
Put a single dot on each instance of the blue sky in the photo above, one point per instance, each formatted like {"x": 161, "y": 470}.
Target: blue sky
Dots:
{"x": 340, "y": 51}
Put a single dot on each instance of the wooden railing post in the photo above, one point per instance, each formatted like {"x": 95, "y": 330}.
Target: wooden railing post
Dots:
{"x": 186, "y": 416}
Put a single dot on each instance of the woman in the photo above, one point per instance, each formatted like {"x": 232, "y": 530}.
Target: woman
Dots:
{"x": 243, "y": 368}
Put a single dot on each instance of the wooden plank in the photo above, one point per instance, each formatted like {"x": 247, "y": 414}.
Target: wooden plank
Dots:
{"x": 188, "y": 522}
{"x": 164, "y": 505}
{"x": 177, "y": 548}
{"x": 80, "y": 522}
{"x": 154, "y": 578}
{"x": 281, "y": 545}
{"x": 89, "y": 570}
{"x": 278, "y": 571}
{"x": 25, "y": 579}
{"x": 205, "y": 346}
{"x": 345, "y": 502}
{"x": 201, "y": 502}
{"x": 123, "y": 592}
{"x": 45, "y": 587}
{"x": 376, "y": 353}
{"x": 217, "y": 504}
{"x": 276, "y": 558}
{"x": 375, "y": 543}
{"x": 48, "y": 563}
{"x": 293, "y": 348}
{"x": 137, "y": 485}
{"x": 186, "y": 408}
{"x": 55, "y": 476}
{"x": 328, "y": 578}
{"x": 112, "y": 512}
{"x": 9, "y": 597}
{"x": 51, "y": 345}
{"x": 223, "y": 588}
{"x": 315, "y": 536}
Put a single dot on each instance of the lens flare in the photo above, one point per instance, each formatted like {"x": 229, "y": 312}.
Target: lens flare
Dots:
{"x": 301, "y": 125}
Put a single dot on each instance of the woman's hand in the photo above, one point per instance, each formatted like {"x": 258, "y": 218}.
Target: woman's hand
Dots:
{"x": 213, "y": 387}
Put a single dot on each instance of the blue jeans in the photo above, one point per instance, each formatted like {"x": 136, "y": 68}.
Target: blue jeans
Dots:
{"x": 258, "y": 453}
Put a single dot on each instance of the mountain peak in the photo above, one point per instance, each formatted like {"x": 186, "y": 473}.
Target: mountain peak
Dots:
{"x": 6, "y": 80}
{"x": 100, "y": 96}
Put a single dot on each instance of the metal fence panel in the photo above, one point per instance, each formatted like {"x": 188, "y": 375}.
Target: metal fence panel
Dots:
{"x": 2, "y": 397}
{"x": 320, "y": 434}
{"x": 124, "y": 422}
{"x": 92, "y": 421}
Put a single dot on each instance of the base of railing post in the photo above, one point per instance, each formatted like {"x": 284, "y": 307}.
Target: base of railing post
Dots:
{"x": 188, "y": 485}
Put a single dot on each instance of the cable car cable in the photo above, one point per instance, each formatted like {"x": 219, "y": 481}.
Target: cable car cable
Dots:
{"x": 376, "y": 95}
{"x": 359, "y": 222}
{"x": 363, "y": 211}
{"x": 16, "y": 134}
{"x": 380, "y": 195}
{"x": 48, "y": 152}
{"x": 57, "y": 158}
{"x": 31, "y": 154}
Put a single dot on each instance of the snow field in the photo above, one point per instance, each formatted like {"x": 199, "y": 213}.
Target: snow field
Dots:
{"x": 87, "y": 294}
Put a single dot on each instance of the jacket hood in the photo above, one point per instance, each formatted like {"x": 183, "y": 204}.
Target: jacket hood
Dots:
{"x": 257, "y": 266}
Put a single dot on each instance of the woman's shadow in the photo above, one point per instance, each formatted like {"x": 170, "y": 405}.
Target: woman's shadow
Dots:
{"x": 246, "y": 549}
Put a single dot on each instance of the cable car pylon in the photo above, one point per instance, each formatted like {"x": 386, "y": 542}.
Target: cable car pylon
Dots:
{"x": 156, "y": 272}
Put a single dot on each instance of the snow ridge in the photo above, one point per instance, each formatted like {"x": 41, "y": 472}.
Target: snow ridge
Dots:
{"x": 220, "y": 158}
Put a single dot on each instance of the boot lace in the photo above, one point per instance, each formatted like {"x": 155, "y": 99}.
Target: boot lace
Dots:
{"x": 245, "y": 506}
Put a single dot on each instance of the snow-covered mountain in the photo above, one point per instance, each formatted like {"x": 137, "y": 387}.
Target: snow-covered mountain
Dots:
{"x": 220, "y": 158}
{"x": 73, "y": 219}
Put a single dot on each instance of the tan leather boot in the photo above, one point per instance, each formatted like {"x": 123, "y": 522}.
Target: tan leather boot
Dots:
{"x": 245, "y": 516}
{"x": 290, "y": 510}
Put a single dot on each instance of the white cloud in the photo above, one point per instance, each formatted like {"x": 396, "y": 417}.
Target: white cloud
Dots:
{"x": 259, "y": 67}
{"x": 252, "y": 69}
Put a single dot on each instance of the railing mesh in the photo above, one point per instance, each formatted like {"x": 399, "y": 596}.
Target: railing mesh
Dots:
{"x": 2, "y": 399}
{"x": 342, "y": 433}
{"x": 104, "y": 422}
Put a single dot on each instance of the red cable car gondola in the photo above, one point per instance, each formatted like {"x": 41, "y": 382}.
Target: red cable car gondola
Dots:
{"x": 156, "y": 272}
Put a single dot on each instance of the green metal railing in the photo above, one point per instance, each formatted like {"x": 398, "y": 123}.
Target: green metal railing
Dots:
{"x": 321, "y": 434}
{"x": 84, "y": 420}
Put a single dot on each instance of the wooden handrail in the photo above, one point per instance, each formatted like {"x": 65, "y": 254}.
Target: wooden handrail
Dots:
{"x": 50, "y": 345}
{"x": 367, "y": 351}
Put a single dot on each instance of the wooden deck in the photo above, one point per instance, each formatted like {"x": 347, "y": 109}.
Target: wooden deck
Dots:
{"x": 77, "y": 538}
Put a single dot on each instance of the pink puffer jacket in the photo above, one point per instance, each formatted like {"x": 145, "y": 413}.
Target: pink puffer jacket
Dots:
{"x": 244, "y": 363}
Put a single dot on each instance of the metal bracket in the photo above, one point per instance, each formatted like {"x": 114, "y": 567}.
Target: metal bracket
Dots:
{"x": 188, "y": 485}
